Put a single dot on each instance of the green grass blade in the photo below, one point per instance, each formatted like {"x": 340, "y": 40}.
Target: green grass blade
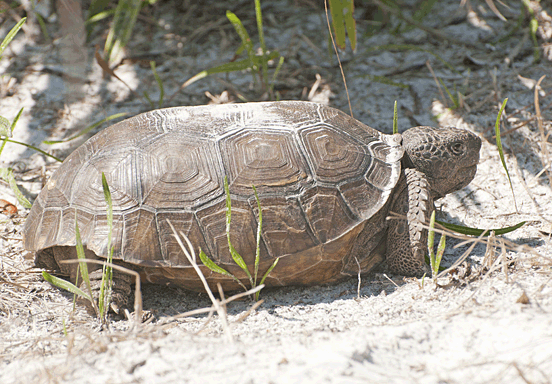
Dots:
{"x": 235, "y": 255}
{"x": 33, "y": 148}
{"x": 43, "y": 27}
{"x": 228, "y": 206}
{"x": 478, "y": 232}
{"x": 99, "y": 16}
{"x": 239, "y": 260}
{"x": 82, "y": 265}
{"x": 11, "y": 34}
{"x": 64, "y": 284}
{"x": 5, "y": 131}
{"x": 5, "y": 127}
{"x": 258, "y": 60}
{"x": 124, "y": 20}
{"x": 423, "y": 10}
{"x": 269, "y": 270}
{"x": 14, "y": 122}
{"x": 264, "y": 61}
{"x": 211, "y": 264}
{"x": 216, "y": 268}
{"x": 244, "y": 36}
{"x": 259, "y": 229}
{"x": 533, "y": 27}
{"x": 336, "y": 10}
{"x": 430, "y": 241}
{"x": 439, "y": 256}
{"x": 146, "y": 96}
{"x": 65, "y": 329}
{"x": 500, "y": 150}
{"x": 107, "y": 272}
{"x": 87, "y": 129}
{"x": 7, "y": 175}
{"x": 350, "y": 23}
{"x": 159, "y": 83}
{"x": 451, "y": 97}
{"x": 276, "y": 72}
{"x": 266, "y": 275}
{"x": 109, "y": 202}
{"x": 97, "y": 7}
{"x": 395, "y": 119}
{"x": 239, "y": 65}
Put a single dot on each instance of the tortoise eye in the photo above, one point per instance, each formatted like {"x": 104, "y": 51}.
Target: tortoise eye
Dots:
{"x": 457, "y": 148}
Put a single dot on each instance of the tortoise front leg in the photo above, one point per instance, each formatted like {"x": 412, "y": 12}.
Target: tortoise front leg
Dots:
{"x": 407, "y": 239}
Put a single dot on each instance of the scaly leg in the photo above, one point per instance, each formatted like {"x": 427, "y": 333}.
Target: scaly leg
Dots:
{"x": 407, "y": 239}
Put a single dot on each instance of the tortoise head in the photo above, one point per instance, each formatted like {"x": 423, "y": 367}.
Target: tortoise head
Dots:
{"x": 448, "y": 156}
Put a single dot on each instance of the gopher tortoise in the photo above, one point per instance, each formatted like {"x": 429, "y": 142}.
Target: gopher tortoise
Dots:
{"x": 326, "y": 184}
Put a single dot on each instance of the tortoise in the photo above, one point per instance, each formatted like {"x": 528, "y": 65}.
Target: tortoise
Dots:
{"x": 326, "y": 184}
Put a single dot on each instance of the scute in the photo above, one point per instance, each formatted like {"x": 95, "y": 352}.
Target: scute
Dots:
{"x": 268, "y": 159}
{"x": 189, "y": 172}
{"x": 326, "y": 212}
{"x": 333, "y": 156}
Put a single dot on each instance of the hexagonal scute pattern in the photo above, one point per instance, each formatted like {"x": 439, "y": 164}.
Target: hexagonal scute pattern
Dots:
{"x": 333, "y": 155}
{"x": 264, "y": 158}
{"x": 179, "y": 173}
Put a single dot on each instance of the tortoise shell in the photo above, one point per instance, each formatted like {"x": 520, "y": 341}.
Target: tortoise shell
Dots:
{"x": 323, "y": 179}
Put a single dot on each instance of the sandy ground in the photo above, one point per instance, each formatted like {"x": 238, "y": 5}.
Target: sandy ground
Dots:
{"x": 492, "y": 324}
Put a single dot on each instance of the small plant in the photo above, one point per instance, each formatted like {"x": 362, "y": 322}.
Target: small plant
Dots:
{"x": 435, "y": 259}
{"x": 454, "y": 98}
{"x": 6, "y": 129}
{"x": 238, "y": 259}
{"x": 124, "y": 15}
{"x": 107, "y": 272}
{"x": 500, "y": 150}
{"x": 102, "y": 307}
{"x": 159, "y": 85}
{"x": 256, "y": 63}
{"x": 533, "y": 27}
{"x": 395, "y": 119}
{"x": 342, "y": 15}
{"x": 87, "y": 129}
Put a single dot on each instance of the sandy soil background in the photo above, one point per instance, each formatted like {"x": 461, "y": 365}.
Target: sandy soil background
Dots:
{"x": 490, "y": 322}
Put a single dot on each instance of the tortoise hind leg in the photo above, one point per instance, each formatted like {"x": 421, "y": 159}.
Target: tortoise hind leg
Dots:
{"x": 407, "y": 239}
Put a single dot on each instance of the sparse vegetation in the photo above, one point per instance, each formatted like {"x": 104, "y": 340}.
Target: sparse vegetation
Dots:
{"x": 435, "y": 258}
{"x": 238, "y": 259}
{"x": 101, "y": 307}
{"x": 255, "y": 62}
{"x": 483, "y": 295}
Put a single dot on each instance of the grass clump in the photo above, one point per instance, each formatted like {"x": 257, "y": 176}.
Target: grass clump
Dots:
{"x": 256, "y": 62}
{"x": 101, "y": 308}
{"x": 435, "y": 258}
{"x": 6, "y": 128}
{"x": 500, "y": 150}
{"x": 343, "y": 23}
{"x": 238, "y": 259}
